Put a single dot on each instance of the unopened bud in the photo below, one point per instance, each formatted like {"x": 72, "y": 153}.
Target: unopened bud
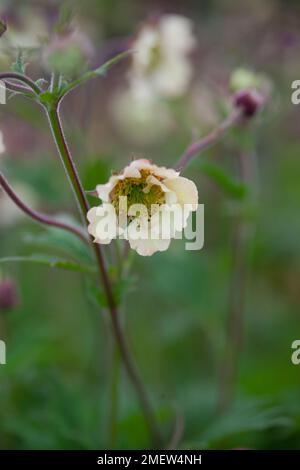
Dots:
{"x": 3, "y": 27}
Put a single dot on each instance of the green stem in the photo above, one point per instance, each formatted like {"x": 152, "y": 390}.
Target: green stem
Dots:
{"x": 211, "y": 139}
{"x": 74, "y": 179}
{"x": 242, "y": 232}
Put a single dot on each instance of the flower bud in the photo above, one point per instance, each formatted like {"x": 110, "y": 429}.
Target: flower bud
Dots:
{"x": 249, "y": 100}
{"x": 251, "y": 90}
{"x": 9, "y": 298}
{"x": 3, "y": 27}
{"x": 242, "y": 79}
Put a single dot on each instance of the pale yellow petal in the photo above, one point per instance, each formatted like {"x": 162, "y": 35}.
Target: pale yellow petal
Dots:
{"x": 185, "y": 189}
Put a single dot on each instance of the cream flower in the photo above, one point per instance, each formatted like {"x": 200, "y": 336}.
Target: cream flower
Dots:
{"x": 145, "y": 204}
{"x": 161, "y": 64}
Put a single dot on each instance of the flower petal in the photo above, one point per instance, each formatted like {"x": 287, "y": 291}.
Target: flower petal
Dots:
{"x": 103, "y": 191}
{"x": 185, "y": 189}
{"x": 131, "y": 171}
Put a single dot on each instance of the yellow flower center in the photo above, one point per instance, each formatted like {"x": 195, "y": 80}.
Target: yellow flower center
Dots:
{"x": 137, "y": 191}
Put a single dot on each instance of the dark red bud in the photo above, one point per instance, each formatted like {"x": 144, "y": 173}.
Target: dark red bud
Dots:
{"x": 249, "y": 100}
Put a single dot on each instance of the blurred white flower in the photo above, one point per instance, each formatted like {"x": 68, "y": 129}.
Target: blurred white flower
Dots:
{"x": 140, "y": 121}
{"x": 10, "y": 214}
{"x": 161, "y": 64}
{"x": 158, "y": 204}
{"x": 29, "y": 34}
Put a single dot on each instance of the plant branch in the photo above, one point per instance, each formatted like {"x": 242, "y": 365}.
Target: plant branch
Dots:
{"x": 211, "y": 139}
{"x": 37, "y": 216}
{"x": 99, "y": 72}
{"x": 133, "y": 374}
{"x": 24, "y": 90}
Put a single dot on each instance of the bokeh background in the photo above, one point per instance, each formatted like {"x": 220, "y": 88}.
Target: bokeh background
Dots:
{"x": 186, "y": 313}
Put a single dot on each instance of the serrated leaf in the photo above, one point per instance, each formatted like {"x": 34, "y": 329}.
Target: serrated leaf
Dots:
{"x": 51, "y": 262}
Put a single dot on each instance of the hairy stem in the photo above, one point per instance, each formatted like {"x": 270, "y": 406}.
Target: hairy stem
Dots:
{"x": 211, "y": 139}
{"x": 133, "y": 374}
{"x": 37, "y": 216}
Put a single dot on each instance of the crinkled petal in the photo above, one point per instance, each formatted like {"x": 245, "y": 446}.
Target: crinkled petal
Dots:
{"x": 103, "y": 191}
{"x": 164, "y": 172}
{"x": 169, "y": 221}
{"x": 153, "y": 181}
{"x": 131, "y": 172}
{"x": 185, "y": 189}
{"x": 159, "y": 171}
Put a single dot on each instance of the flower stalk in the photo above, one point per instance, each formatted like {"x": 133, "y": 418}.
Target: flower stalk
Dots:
{"x": 74, "y": 179}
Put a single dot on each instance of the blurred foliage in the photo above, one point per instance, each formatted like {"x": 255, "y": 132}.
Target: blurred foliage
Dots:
{"x": 55, "y": 390}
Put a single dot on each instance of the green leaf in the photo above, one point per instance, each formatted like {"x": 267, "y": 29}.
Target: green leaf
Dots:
{"x": 51, "y": 262}
{"x": 60, "y": 242}
{"x": 96, "y": 171}
{"x": 95, "y": 294}
{"x": 234, "y": 188}
{"x": 65, "y": 18}
{"x": 48, "y": 99}
{"x": 257, "y": 415}
{"x": 124, "y": 286}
